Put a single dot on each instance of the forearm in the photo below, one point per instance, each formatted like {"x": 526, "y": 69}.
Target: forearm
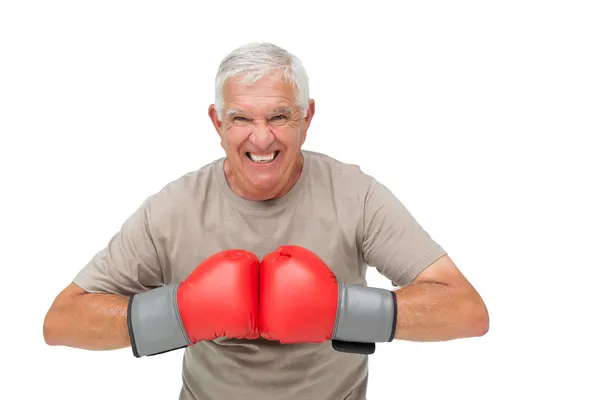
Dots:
{"x": 89, "y": 321}
{"x": 429, "y": 311}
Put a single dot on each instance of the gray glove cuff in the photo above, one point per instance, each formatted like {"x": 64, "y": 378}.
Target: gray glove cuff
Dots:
{"x": 154, "y": 322}
{"x": 365, "y": 314}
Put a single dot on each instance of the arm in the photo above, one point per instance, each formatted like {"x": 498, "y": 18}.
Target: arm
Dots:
{"x": 440, "y": 304}
{"x": 88, "y": 321}
{"x": 91, "y": 312}
{"x": 435, "y": 302}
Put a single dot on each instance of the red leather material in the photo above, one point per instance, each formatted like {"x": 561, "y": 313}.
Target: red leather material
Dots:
{"x": 298, "y": 297}
{"x": 220, "y": 297}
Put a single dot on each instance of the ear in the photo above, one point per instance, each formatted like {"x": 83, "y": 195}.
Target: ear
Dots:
{"x": 310, "y": 112}
{"x": 214, "y": 117}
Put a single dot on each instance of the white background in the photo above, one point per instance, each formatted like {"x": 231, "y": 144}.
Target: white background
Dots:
{"x": 481, "y": 116}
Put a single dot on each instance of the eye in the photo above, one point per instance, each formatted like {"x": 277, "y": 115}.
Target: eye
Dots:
{"x": 240, "y": 119}
{"x": 278, "y": 120}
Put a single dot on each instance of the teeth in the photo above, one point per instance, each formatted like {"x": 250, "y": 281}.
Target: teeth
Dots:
{"x": 262, "y": 158}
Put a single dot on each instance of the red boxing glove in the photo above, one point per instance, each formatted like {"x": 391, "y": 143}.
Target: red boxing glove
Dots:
{"x": 298, "y": 297}
{"x": 301, "y": 301}
{"x": 218, "y": 299}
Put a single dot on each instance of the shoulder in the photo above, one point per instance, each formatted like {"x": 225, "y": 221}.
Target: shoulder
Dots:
{"x": 180, "y": 193}
{"x": 341, "y": 175}
{"x": 325, "y": 165}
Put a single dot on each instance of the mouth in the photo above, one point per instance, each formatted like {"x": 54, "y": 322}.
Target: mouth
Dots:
{"x": 262, "y": 158}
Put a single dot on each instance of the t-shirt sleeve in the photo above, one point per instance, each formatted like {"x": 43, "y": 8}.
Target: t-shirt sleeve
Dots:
{"x": 393, "y": 241}
{"x": 129, "y": 263}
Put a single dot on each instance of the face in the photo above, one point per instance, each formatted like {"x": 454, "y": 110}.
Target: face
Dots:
{"x": 262, "y": 131}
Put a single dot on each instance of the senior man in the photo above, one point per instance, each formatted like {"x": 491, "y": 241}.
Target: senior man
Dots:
{"x": 255, "y": 263}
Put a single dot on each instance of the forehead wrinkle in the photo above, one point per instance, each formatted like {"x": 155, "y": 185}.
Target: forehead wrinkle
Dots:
{"x": 283, "y": 109}
{"x": 280, "y": 109}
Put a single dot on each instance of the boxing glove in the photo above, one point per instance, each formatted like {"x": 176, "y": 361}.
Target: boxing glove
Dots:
{"x": 218, "y": 299}
{"x": 302, "y": 301}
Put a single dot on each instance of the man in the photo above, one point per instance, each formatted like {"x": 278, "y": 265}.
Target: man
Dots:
{"x": 255, "y": 263}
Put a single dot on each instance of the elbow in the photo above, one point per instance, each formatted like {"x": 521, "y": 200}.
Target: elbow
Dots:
{"x": 58, "y": 319}
{"x": 51, "y": 331}
{"x": 480, "y": 326}
{"x": 479, "y": 319}
{"x": 48, "y": 332}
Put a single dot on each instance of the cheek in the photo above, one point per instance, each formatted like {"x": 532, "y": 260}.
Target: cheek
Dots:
{"x": 291, "y": 139}
{"x": 233, "y": 138}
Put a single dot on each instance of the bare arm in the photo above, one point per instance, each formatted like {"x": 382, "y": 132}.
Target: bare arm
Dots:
{"x": 440, "y": 305}
{"x": 87, "y": 320}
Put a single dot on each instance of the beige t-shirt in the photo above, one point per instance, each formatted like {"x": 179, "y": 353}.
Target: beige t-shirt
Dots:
{"x": 350, "y": 220}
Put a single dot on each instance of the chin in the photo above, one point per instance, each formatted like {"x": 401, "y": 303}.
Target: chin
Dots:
{"x": 266, "y": 187}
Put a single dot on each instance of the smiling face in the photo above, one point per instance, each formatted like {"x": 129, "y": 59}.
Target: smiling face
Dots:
{"x": 262, "y": 132}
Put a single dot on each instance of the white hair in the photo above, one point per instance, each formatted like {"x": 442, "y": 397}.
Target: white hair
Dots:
{"x": 253, "y": 61}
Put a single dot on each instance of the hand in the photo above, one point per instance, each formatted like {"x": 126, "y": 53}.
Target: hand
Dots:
{"x": 301, "y": 301}
{"x": 218, "y": 299}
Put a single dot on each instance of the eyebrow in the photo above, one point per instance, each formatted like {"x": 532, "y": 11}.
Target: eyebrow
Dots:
{"x": 233, "y": 111}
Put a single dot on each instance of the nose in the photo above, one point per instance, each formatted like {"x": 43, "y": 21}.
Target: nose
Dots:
{"x": 261, "y": 135}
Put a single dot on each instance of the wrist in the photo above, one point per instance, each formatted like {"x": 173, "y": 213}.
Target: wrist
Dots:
{"x": 154, "y": 322}
{"x": 365, "y": 314}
